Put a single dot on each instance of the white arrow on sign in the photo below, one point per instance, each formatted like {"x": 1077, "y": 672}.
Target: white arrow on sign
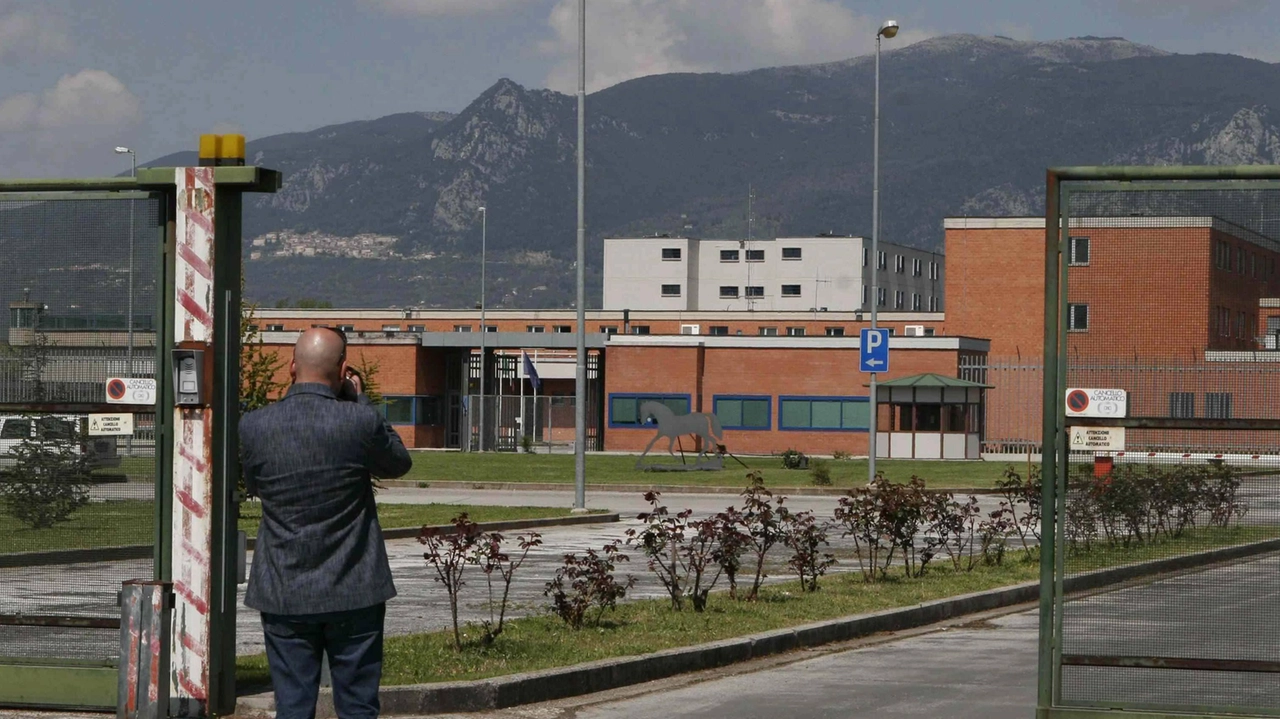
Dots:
{"x": 874, "y": 363}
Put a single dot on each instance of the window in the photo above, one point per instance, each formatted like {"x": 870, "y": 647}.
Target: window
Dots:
{"x": 253, "y": 328}
{"x": 490, "y": 328}
{"x": 882, "y": 260}
{"x": 624, "y": 409}
{"x": 536, "y": 329}
{"x": 53, "y": 428}
{"x": 1240, "y": 260}
{"x": 835, "y": 332}
{"x": 933, "y": 304}
{"x": 1078, "y": 251}
{"x": 755, "y": 291}
{"x": 899, "y": 298}
{"x": 928, "y": 331}
{"x": 347, "y": 328}
{"x": 881, "y": 295}
{"x": 609, "y": 329}
{"x": 563, "y": 329}
{"x": 728, "y": 292}
{"x": 639, "y": 329}
{"x": 866, "y": 292}
{"x": 412, "y": 410}
{"x": 728, "y": 255}
{"x": 391, "y": 328}
{"x": 16, "y": 429}
{"x": 743, "y": 412}
{"x": 1217, "y": 405}
{"x": 791, "y": 253}
{"x": 462, "y": 328}
{"x": 899, "y": 264}
{"x": 671, "y": 290}
{"x": 718, "y": 330}
{"x": 915, "y": 301}
{"x": 417, "y": 328}
{"x": 933, "y": 270}
{"x": 1182, "y": 405}
{"x": 917, "y": 266}
{"x": 1239, "y": 325}
{"x": 791, "y": 290}
{"x": 866, "y": 254}
{"x": 824, "y": 413}
{"x": 1078, "y": 318}
{"x": 670, "y": 253}
{"x": 275, "y": 328}
{"x": 755, "y": 255}
{"x": 795, "y": 332}
{"x": 768, "y": 331}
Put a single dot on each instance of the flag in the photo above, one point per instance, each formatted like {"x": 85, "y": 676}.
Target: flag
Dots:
{"x": 531, "y": 372}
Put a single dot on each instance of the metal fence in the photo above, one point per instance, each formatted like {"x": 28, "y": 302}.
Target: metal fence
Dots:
{"x": 532, "y": 424}
{"x": 1240, "y": 385}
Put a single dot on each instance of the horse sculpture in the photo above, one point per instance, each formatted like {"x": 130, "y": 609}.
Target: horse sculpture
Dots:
{"x": 672, "y": 426}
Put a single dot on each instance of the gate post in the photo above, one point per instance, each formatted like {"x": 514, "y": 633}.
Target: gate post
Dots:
{"x": 203, "y": 447}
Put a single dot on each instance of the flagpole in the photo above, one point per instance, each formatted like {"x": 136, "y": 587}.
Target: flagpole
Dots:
{"x": 524, "y": 431}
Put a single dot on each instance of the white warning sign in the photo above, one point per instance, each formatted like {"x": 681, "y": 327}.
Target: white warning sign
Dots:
{"x": 108, "y": 425}
{"x": 1097, "y": 439}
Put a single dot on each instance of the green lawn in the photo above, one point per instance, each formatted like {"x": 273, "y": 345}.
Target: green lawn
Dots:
{"x": 108, "y": 524}
{"x": 605, "y": 469}
{"x": 542, "y": 642}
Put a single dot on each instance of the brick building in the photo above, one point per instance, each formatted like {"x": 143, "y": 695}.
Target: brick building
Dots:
{"x": 1139, "y": 287}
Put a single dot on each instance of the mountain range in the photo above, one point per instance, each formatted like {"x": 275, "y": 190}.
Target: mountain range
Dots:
{"x": 385, "y": 212}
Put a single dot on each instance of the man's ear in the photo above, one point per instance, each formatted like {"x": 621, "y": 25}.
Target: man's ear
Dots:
{"x": 293, "y": 371}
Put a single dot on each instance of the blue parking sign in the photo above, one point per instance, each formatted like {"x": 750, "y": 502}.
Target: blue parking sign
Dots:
{"x": 874, "y": 355}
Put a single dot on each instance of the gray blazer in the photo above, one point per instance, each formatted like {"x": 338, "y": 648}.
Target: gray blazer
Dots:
{"x": 309, "y": 458}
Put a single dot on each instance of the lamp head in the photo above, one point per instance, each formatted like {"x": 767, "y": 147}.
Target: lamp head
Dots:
{"x": 480, "y": 209}
{"x": 123, "y": 151}
{"x": 889, "y": 28}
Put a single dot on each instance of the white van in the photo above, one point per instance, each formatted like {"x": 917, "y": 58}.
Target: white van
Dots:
{"x": 56, "y": 428}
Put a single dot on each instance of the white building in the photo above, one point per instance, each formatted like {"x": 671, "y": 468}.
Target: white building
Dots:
{"x": 787, "y": 274}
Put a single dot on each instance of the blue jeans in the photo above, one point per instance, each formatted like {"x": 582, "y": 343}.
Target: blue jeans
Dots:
{"x": 295, "y": 648}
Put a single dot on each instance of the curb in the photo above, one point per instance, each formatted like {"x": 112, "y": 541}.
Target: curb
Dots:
{"x": 533, "y": 687}
{"x": 144, "y": 551}
{"x": 791, "y": 491}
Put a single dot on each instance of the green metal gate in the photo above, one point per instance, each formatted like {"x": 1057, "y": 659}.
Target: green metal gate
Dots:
{"x": 94, "y": 286}
{"x": 1161, "y": 442}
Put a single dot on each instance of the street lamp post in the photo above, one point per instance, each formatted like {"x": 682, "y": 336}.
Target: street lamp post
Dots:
{"x": 484, "y": 240}
{"x": 888, "y": 29}
{"x": 133, "y": 172}
{"x": 580, "y": 385}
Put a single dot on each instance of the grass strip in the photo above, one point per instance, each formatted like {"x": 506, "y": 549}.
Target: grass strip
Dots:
{"x": 111, "y": 524}
{"x": 606, "y": 469}
{"x": 544, "y": 642}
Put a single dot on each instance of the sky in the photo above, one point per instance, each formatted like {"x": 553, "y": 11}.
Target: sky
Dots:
{"x": 80, "y": 77}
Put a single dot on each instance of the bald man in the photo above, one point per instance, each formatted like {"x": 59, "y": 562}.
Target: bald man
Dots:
{"x": 320, "y": 574}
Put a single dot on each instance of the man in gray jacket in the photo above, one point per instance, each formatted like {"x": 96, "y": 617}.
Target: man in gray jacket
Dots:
{"x": 320, "y": 573}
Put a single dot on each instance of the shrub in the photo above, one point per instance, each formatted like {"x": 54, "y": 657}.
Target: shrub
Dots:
{"x": 493, "y": 560}
{"x": 791, "y": 459}
{"x": 587, "y": 581}
{"x": 840, "y": 455}
{"x": 526, "y": 443}
{"x": 732, "y": 542}
{"x": 953, "y": 527}
{"x": 48, "y": 482}
{"x": 662, "y": 541}
{"x": 761, "y": 519}
{"x": 1023, "y": 497}
{"x": 820, "y": 471}
{"x": 449, "y": 552}
{"x": 805, "y": 536}
{"x": 885, "y": 519}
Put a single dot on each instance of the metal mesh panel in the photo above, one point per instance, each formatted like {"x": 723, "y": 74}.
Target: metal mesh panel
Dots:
{"x": 1165, "y": 298}
{"x": 80, "y": 292}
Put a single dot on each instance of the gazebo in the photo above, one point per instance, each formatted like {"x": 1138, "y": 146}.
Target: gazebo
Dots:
{"x": 929, "y": 416}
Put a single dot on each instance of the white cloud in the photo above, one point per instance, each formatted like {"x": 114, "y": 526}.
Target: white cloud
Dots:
{"x": 31, "y": 32}
{"x": 444, "y": 7}
{"x": 634, "y": 38}
{"x": 87, "y": 99}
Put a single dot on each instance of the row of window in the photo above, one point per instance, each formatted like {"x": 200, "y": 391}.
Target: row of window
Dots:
{"x": 900, "y": 263}
{"x": 413, "y": 409}
{"x": 1182, "y": 405}
{"x": 900, "y": 300}
{"x": 824, "y": 414}
{"x": 1245, "y": 262}
{"x": 1245, "y": 323}
{"x": 674, "y": 254}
